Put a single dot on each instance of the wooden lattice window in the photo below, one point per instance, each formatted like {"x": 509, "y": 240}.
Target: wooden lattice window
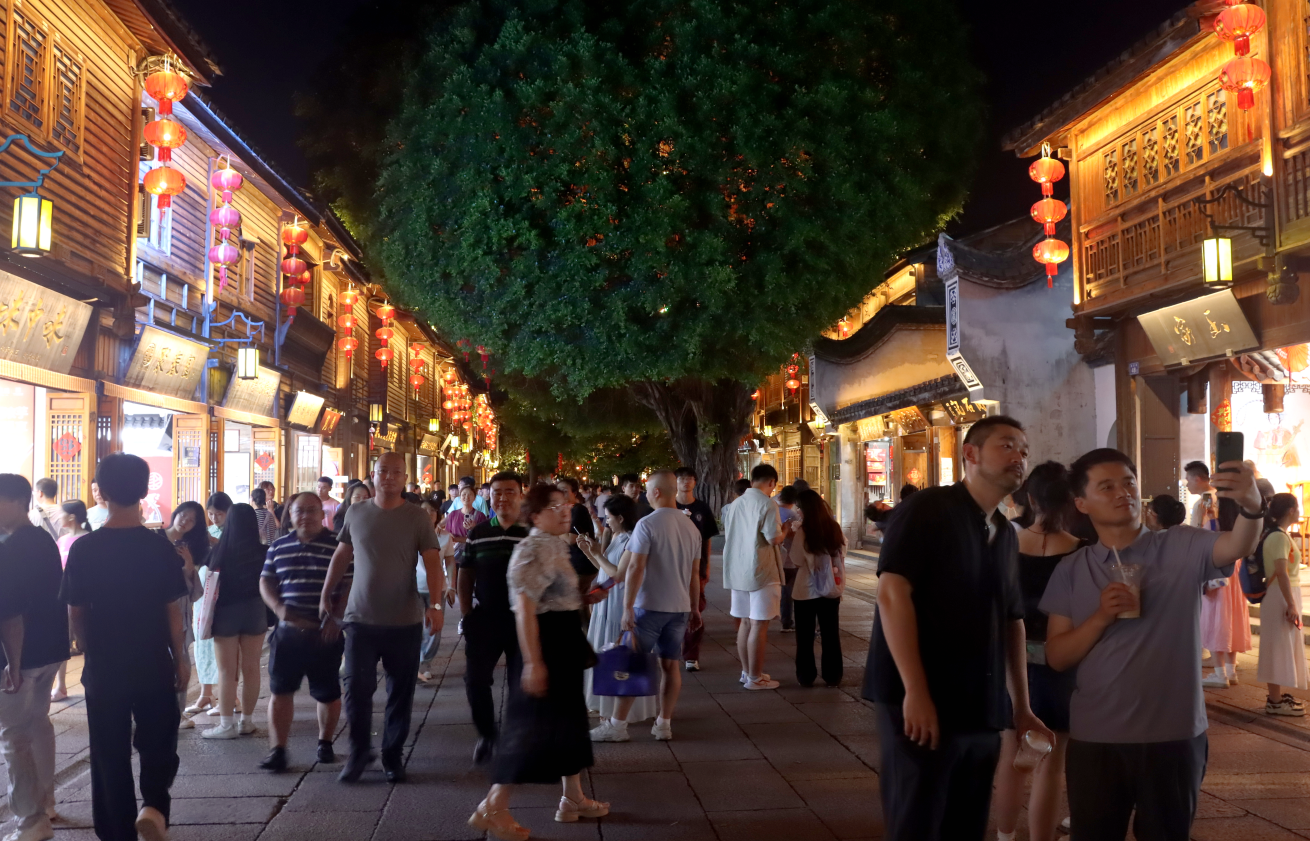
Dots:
{"x": 29, "y": 46}
{"x": 1193, "y": 133}
{"x": 69, "y": 98}
{"x": 1150, "y": 156}
{"x": 1128, "y": 166}
{"x": 1170, "y": 158}
{"x": 1216, "y": 110}
{"x": 1111, "y": 171}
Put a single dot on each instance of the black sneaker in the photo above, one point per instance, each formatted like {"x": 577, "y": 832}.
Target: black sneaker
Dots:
{"x": 356, "y": 763}
{"x": 394, "y": 769}
{"x": 482, "y": 752}
{"x": 326, "y": 754}
{"x": 276, "y": 761}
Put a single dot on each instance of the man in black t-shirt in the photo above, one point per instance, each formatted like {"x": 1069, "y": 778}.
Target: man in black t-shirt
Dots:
{"x": 122, "y": 586}
{"x": 33, "y": 643}
{"x": 489, "y": 629}
{"x": 948, "y": 630}
{"x": 703, "y": 518}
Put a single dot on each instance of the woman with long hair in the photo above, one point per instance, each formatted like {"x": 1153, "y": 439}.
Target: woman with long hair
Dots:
{"x": 186, "y": 531}
{"x": 818, "y": 541}
{"x": 240, "y": 620}
{"x": 1282, "y": 649}
{"x": 1043, "y": 543}
{"x": 544, "y": 737}
{"x": 206, "y": 660}
{"x": 356, "y": 492}
{"x": 73, "y": 524}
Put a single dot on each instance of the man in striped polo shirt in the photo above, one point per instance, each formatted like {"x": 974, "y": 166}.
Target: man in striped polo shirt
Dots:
{"x": 489, "y": 629}
{"x": 302, "y": 646}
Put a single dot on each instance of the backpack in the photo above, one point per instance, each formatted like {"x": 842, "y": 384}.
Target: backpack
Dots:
{"x": 1252, "y": 572}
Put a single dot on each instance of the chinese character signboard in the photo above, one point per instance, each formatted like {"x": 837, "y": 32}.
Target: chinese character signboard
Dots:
{"x": 166, "y": 364}
{"x": 304, "y": 410}
{"x": 953, "y": 354}
{"x": 254, "y": 397}
{"x": 1203, "y": 328}
{"x": 328, "y": 424}
{"x": 964, "y": 410}
{"x": 39, "y": 327}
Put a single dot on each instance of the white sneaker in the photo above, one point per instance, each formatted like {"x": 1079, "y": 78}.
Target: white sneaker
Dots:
{"x": 150, "y": 825}
{"x": 662, "y": 732}
{"x": 693, "y": 665}
{"x": 1284, "y": 706}
{"x": 608, "y": 731}
{"x": 39, "y": 831}
{"x": 221, "y": 732}
{"x": 1215, "y": 681}
{"x": 186, "y": 724}
{"x": 763, "y": 683}
{"x": 246, "y": 727}
{"x": 745, "y": 678}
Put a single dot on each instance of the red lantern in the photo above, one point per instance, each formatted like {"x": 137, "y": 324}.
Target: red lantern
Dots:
{"x": 347, "y": 322}
{"x": 386, "y": 312}
{"x": 384, "y": 334}
{"x": 1246, "y": 77}
{"x": 349, "y": 298}
{"x": 293, "y": 267}
{"x": 793, "y": 384}
{"x": 417, "y": 380}
{"x": 348, "y": 344}
{"x": 416, "y": 363}
{"x": 1047, "y": 212}
{"x": 417, "y": 347}
{"x": 294, "y": 236}
{"x": 755, "y": 395}
{"x": 1051, "y": 252}
{"x": 1237, "y": 24}
{"x": 450, "y": 375}
{"x": 293, "y": 296}
{"x": 448, "y": 405}
{"x": 1046, "y": 171}
{"x": 166, "y": 135}
{"x": 384, "y": 355}
{"x": 306, "y": 278}
{"x": 166, "y": 87}
{"x": 165, "y": 183}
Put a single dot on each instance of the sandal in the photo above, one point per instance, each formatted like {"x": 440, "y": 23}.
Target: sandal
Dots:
{"x": 570, "y": 810}
{"x": 499, "y": 824}
{"x": 201, "y": 705}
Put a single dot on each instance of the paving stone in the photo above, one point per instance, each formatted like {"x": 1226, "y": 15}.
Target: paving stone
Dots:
{"x": 738, "y": 785}
{"x": 1249, "y": 828}
{"x": 814, "y": 695}
{"x": 1289, "y": 813}
{"x": 642, "y": 754}
{"x": 215, "y": 810}
{"x": 323, "y": 826}
{"x": 322, "y": 793}
{"x": 792, "y": 824}
{"x": 1240, "y": 787}
{"x": 414, "y": 814}
{"x": 261, "y": 784}
{"x": 849, "y": 808}
{"x": 805, "y": 752}
{"x": 1209, "y": 806}
{"x": 216, "y": 832}
{"x": 762, "y": 707}
{"x": 842, "y": 719}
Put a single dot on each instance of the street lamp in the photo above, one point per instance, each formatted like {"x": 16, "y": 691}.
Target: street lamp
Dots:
{"x": 1217, "y": 260}
{"x": 248, "y": 363}
{"x": 433, "y": 424}
{"x": 32, "y": 218}
{"x": 375, "y": 413}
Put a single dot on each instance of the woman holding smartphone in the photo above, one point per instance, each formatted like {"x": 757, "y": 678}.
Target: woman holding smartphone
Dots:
{"x": 1282, "y": 649}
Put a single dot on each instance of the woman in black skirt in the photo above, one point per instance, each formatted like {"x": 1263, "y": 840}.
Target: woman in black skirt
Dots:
{"x": 544, "y": 736}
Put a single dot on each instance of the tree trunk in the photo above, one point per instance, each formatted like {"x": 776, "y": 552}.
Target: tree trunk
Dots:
{"x": 706, "y": 422}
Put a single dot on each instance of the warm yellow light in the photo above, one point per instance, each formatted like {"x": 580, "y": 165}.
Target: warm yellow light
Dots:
{"x": 32, "y": 223}
{"x": 375, "y": 413}
{"x": 248, "y": 363}
{"x": 433, "y": 424}
{"x": 1217, "y": 259}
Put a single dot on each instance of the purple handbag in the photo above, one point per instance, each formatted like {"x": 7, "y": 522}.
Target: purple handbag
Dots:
{"x": 625, "y": 672}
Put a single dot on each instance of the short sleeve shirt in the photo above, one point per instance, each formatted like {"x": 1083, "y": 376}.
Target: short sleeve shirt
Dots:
{"x": 540, "y": 569}
{"x": 1140, "y": 682}
{"x": 125, "y": 580}
{"x": 386, "y": 542}
{"x": 30, "y": 575}
{"x": 460, "y": 524}
{"x": 300, "y": 570}
{"x": 750, "y": 525}
{"x": 487, "y": 555}
{"x": 1279, "y": 545}
{"x": 703, "y": 519}
{"x": 965, "y": 592}
{"x": 672, "y": 546}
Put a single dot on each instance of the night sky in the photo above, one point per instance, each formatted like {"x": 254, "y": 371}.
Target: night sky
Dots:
{"x": 1030, "y": 52}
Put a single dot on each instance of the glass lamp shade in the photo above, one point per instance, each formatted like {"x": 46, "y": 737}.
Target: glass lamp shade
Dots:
{"x": 32, "y": 223}
{"x": 1217, "y": 259}
{"x": 433, "y": 424}
{"x": 248, "y": 363}
{"x": 375, "y": 413}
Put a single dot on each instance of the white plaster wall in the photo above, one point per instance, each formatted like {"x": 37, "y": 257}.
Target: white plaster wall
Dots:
{"x": 1018, "y": 346}
{"x": 850, "y": 500}
{"x": 1106, "y": 411}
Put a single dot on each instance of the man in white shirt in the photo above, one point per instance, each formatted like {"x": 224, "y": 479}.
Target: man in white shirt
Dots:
{"x": 752, "y": 570}
{"x": 46, "y": 511}
{"x": 1205, "y": 511}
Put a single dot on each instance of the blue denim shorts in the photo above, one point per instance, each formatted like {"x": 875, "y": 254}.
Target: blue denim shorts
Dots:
{"x": 662, "y": 632}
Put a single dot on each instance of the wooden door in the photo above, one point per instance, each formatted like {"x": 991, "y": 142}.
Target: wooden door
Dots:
{"x": 264, "y": 444}
{"x": 1158, "y": 405}
{"x": 190, "y": 458}
{"x": 70, "y": 447}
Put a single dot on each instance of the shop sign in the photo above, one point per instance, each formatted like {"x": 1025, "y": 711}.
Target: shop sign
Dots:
{"x": 254, "y": 397}
{"x": 871, "y": 429}
{"x": 166, "y": 364}
{"x": 39, "y": 327}
{"x": 67, "y": 447}
{"x": 388, "y": 437}
{"x": 431, "y": 443}
{"x": 1204, "y": 328}
{"x": 964, "y": 410}
{"x": 264, "y": 460}
{"x": 304, "y": 410}
{"x": 328, "y": 423}
{"x": 910, "y": 420}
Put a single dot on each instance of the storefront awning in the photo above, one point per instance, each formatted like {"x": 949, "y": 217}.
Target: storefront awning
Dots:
{"x": 933, "y": 391}
{"x": 149, "y": 398}
{"x": 246, "y": 417}
{"x": 40, "y": 376}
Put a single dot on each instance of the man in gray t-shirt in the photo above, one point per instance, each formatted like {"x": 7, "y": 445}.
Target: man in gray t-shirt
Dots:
{"x": 661, "y": 599}
{"x": 1137, "y": 734}
{"x": 385, "y": 616}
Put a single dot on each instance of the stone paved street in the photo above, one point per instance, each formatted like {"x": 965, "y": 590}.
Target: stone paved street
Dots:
{"x": 793, "y": 764}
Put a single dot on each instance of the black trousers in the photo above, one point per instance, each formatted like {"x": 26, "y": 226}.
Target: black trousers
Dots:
{"x": 488, "y": 635}
{"x": 111, "y": 708}
{"x": 824, "y": 611}
{"x": 1160, "y": 780}
{"x": 398, "y": 649}
{"x": 935, "y": 795}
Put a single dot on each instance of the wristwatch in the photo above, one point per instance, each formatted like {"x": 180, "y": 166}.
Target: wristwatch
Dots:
{"x": 1258, "y": 515}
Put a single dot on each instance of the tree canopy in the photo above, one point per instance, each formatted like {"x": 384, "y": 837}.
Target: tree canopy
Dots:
{"x": 620, "y": 192}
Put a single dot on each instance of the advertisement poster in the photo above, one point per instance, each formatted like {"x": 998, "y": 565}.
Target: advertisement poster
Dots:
{"x": 157, "y": 507}
{"x": 17, "y": 403}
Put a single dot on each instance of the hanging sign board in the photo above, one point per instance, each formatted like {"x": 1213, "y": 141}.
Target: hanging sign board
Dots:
{"x": 254, "y": 397}
{"x": 166, "y": 364}
{"x": 328, "y": 423}
{"x": 953, "y": 354}
{"x": 1209, "y": 327}
{"x": 39, "y": 327}
{"x": 304, "y": 410}
{"x": 964, "y": 410}
{"x": 910, "y": 419}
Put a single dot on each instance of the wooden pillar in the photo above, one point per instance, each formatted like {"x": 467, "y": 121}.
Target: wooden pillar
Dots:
{"x": 1273, "y": 397}
{"x": 1196, "y": 393}
{"x": 1158, "y": 403}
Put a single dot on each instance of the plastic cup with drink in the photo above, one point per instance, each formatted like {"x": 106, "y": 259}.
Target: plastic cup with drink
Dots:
{"x": 1131, "y": 576}
{"x": 1033, "y": 748}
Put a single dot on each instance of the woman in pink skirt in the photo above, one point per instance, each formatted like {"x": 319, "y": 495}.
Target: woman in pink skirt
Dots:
{"x": 1225, "y": 616}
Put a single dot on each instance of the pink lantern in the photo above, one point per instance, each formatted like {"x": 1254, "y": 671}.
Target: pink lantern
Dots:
{"x": 223, "y": 255}
{"x": 225, "y": 217}
{"x": 227, "y": 180}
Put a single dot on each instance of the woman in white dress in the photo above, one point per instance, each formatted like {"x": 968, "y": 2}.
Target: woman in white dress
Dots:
{"x": 1282, "y": 649}
{"x": 607, "y": 615}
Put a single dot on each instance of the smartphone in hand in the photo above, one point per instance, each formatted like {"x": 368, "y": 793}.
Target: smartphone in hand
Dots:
{"x": 1229, "y": 446}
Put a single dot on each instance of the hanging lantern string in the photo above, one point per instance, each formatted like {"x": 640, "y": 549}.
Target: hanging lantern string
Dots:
{"x": 225, "y": 217}
{"x": 165, "y": 134}
{"x": 1047, "y": 212}
{"x": 1244, "y": 74}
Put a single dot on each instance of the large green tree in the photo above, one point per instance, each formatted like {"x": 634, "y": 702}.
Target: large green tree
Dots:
{"x": 669, "y": 195}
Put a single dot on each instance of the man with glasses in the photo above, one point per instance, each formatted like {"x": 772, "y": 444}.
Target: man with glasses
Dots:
{"x": 489, "y": 629}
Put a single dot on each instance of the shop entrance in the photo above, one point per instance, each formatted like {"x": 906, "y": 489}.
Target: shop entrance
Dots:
{"x": 174, "y": 446}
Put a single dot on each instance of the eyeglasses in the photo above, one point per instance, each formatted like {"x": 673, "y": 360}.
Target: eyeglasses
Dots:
{"x": 561, "y": 507}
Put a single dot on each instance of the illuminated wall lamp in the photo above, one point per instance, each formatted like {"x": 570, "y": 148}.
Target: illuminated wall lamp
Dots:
{"x": 433, "y": 424}
{"x": 1217, "y": 260}
{"x": 248, "y": 363}
{"x": 375, "y": 413}
{"x": 32, "y": 223}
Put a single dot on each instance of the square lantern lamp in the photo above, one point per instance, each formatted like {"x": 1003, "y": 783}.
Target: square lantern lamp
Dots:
{"x": 32, "y": 224}
{"x": 375, "y": 413}
{"x": 248, "y": 363}
{"x": 433, "y": 425}
{"x": 1217, "y": 260}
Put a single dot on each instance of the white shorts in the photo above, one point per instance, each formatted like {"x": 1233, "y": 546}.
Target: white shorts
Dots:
{"x": 762, "y": 604}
